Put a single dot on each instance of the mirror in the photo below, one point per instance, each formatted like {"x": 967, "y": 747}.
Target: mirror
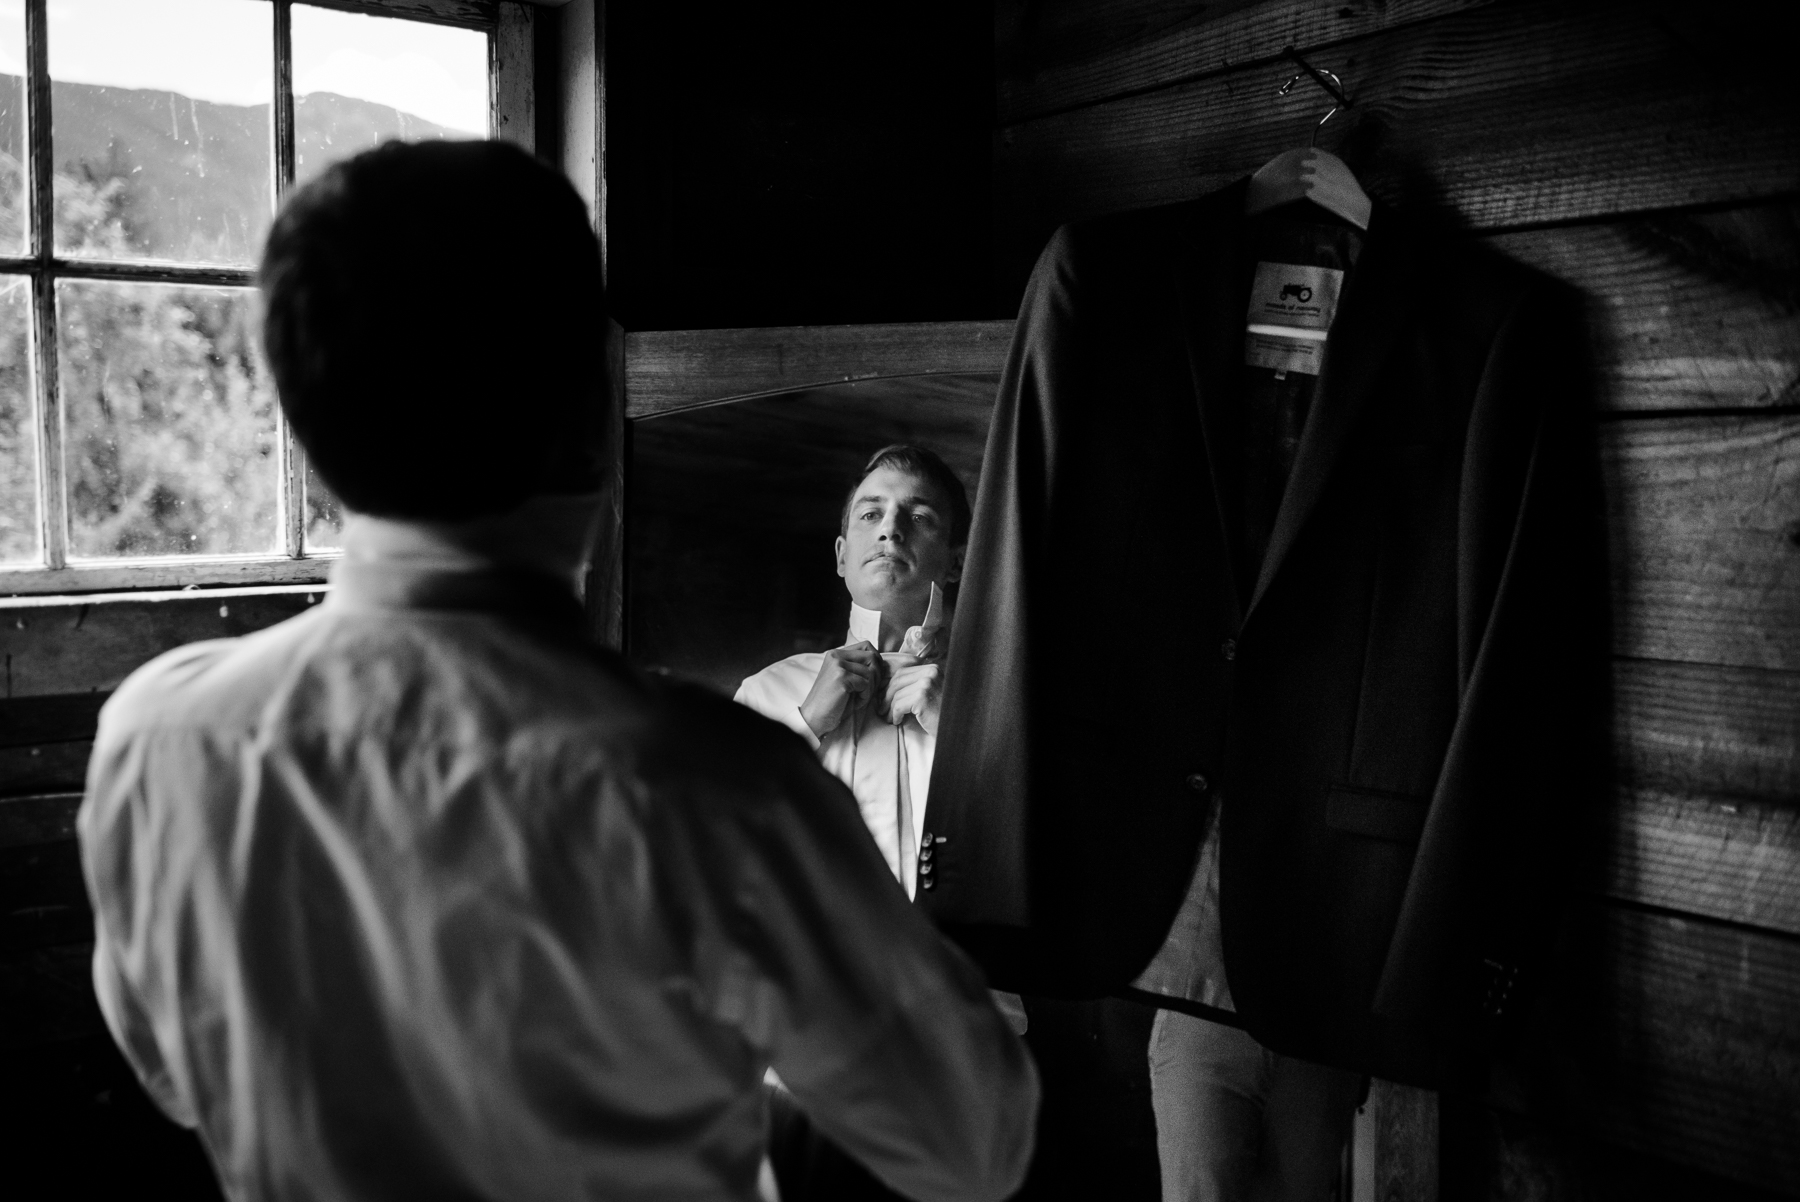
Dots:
{"x": 732, "y": 509}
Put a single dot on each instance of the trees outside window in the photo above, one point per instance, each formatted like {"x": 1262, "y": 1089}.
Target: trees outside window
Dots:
{"x": 144, "y": 145}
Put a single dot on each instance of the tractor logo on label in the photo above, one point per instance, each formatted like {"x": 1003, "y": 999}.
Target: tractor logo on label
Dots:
{"x": 1299, "y": 292}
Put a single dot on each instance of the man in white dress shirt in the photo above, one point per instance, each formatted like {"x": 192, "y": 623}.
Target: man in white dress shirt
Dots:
{"x": 423, "y": 894}
{"x": 870, "y": 707}
{"x": 870, "y": 711}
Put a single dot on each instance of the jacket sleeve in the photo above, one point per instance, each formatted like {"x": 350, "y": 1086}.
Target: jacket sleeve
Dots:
{"x": 1527, "y": 747}
{"x": 883, "y": 1030}
{"x": 982, "y": 775}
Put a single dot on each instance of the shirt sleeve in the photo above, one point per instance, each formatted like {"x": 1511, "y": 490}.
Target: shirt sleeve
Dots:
{"x": 120, "y": 896}
{"x": 771, "y": 694}
{"x": 884, "y": 1032}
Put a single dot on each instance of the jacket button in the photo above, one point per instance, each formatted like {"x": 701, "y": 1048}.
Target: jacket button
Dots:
{"x": 1228, "y": 649}
{"x": 1197, "y": 783}
{"x": 928, "y": 883}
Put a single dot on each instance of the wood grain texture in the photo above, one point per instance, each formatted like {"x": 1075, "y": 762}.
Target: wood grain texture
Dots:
{"x": 1704, "y": 521}
{"x": 1687, "y": 310}
{"x": 578, "y": 81}
{"x": 44, "y": 767}
{"x": 670, "y": 370}
{"x": 1706, "y": 815}
{"x": 1706, "y": 730}
{"x": 513, "y": 54}
{"x": 81, "y": 648}
{"x": 1500, "y": 116}
{"x": 1064, "y": 55}
{"x": 1405, "y": 1143}
{"x": 46, "y": 818}
{"x": 167, "y": 574}
{"x": 1733, "y": 860}
{"x": 1680, "y": 1038}
{"x": 479, "y": 14}
{"x": 603, "y": 591}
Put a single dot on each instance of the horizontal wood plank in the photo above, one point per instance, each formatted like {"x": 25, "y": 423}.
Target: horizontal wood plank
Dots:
{"x": 48, "y": 818}
{"x": 25, "y": 721}
{"x": 477, "y": 14}
{"x": 72, "y": 647}
{"x": 1703, "y": 730}
{"x": 1704, "y": 518}
{"x": 44, "y": 768}
{"x": 678, "y": 369}
{"x": 1503, "y": 116}
{"x": 1053, "y": 57}
{"x": 101, "y": 576}
{"x": 1687, "y": 310}
{"x": 1738, "y": 861}
{"x": 1706, "y": 816}
{"x": 1681, "y": 1038}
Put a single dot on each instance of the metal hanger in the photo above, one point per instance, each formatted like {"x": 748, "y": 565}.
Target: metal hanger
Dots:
{"x": 1306, "y": 172}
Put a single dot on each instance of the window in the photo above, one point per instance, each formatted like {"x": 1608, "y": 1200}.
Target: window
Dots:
{"x": 144, "y": 145}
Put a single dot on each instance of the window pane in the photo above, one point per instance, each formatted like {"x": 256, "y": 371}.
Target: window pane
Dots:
{"x": 13, "y": 220}
{"x": 360, "y": 80}
{"x": 160, "y": 116}
{"x": 324, "y": 518}
{"x": 18, "y": 438}
{"x": 168, "y": 421}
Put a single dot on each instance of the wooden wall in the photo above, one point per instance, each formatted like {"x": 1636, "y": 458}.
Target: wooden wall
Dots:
{"x": 1649, "y": 154}
{"x": 71, "y": 1106}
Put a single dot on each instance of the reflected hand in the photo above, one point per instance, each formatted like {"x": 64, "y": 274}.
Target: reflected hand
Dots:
{"x": 847, "y": 676}
{"x": 913, "y": 688}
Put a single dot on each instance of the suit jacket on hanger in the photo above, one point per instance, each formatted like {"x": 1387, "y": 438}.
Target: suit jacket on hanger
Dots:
{"x": 1393, "y": 715}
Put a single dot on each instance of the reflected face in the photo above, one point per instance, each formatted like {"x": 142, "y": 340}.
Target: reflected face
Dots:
{"x": 896, "y": 542}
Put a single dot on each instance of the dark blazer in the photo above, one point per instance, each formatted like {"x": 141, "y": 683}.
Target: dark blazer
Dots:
{"x": 1393, "y": 712}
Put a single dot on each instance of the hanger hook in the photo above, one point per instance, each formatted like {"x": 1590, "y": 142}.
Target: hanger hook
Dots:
{"x": 1326, "y": 79}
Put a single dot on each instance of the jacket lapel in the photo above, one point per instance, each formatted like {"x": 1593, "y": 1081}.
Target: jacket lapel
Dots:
{"x": 1212, "y": 326}
{"x": 1370, "y": 316}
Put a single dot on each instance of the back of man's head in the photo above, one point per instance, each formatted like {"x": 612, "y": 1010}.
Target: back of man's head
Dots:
{"x": 434, "y": 318}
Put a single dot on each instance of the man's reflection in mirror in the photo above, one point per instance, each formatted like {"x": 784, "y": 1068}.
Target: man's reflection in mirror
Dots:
{"x": 870, "y": 710}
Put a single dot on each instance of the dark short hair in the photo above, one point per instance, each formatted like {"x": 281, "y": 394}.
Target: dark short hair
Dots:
{"x": 434, "y": 318}
{"x": 927, "y": 466}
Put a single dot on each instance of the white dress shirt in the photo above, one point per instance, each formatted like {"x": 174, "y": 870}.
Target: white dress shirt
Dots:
{"x": 420, "y": 894}
{"x": 887, "y": 767}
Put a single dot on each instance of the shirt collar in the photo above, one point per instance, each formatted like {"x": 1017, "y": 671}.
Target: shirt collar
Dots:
{"x": 530, "y": 599}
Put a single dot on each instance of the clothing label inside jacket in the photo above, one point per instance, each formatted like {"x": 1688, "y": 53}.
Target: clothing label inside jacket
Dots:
{"x": 1291, "y": 307}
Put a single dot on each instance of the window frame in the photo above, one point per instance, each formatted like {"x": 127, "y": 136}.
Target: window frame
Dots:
{"x": 509, "y": 26}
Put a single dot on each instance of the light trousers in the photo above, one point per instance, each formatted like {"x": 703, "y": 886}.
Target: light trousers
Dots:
{"x": 1238, "y": 1123}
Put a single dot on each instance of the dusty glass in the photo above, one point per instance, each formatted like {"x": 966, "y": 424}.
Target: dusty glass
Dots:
{"x": 18, "y": 434}
{"x": 14, "y": 216}
{"x": 324, "y": 516}
{"x": 160, "y": 118}
{"x": 360, "y": 80}
{"x": 169, "y": 436}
